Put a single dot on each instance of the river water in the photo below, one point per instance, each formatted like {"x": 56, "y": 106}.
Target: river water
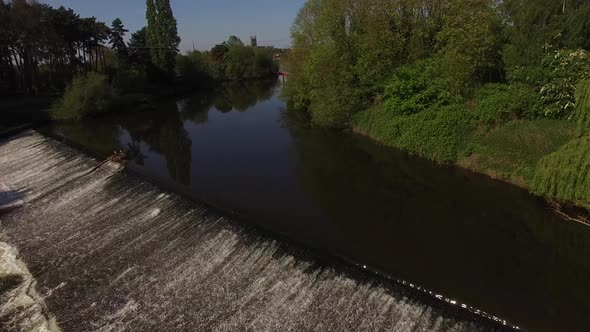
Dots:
{"x": 476, "y": 241}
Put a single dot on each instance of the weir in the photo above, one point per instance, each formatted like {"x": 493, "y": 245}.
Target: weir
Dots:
{"x": 111, "y": 252}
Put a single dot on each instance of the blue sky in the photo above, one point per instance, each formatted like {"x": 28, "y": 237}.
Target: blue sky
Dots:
{"x": 206, "y": 22}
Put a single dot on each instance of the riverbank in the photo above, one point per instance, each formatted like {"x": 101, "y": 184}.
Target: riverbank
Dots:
{"x": 510, "y": 152}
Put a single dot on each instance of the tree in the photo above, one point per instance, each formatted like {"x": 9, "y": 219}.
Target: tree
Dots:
{"x": 116, "y": 38}
{"x": 468, "y": 43}
{"x": 162, "y": 35}
{"x": 138, "y": 51}
{"x": 233, "y": 41}
{"x": 218, "y": 52}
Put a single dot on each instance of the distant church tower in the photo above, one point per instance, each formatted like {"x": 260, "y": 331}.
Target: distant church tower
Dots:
{"x": 253, "y": 42}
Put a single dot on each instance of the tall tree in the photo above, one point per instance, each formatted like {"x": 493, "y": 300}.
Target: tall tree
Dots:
{"x": 138, "y": 51}
{"x": 162, "y": 35}
{"x": 116, "y": 38}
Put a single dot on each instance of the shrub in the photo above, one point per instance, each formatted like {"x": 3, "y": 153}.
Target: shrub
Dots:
{"x": 435, "y": 134}
{"x": 87, "y": 95}
{"x": 414, "y": 89}
{"x": 564, "y": 69}
{"x": 565, "y": 174}
{"x": 193, "y": 69}
{"x": 496, "y": 104}
{"x": 583, "y": 108}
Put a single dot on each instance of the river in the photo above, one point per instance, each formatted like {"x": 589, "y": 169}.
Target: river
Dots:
{"x": 474, "y": 240}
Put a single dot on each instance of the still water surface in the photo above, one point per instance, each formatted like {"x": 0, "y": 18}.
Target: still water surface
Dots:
{"x": 475, "y": 240}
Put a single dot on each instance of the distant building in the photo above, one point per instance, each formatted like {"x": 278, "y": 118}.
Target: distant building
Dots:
{"x": 253, "y": 41}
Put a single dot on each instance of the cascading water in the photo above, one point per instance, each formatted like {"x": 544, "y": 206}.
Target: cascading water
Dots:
{"x": 114, "y": 253}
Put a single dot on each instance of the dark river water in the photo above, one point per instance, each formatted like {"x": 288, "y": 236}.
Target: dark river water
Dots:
{"x": 472, "y": 239}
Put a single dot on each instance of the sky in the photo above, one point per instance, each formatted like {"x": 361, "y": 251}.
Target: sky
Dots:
{"x": 204, "y": 22}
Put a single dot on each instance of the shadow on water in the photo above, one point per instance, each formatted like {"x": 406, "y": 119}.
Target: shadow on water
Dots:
{"x": 478, "y": 241}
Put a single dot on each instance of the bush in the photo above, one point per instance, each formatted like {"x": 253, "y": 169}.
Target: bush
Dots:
{"x": 193, "y": 69}
{"x": 435, "y": 134}
{"x": 414, "y": 89}
{"x": 583, "y": 108}
{"x": 496, "y": 104}
{"x": 87, "y": 95}
{"x": 565, "y": 174}
{"x": 564, "y": 69}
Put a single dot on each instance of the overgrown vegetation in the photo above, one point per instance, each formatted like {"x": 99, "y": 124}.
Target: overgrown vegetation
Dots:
{"x": 565, "y": 174}
{"x": 512, "y": 151}
{"x": 582, "y": 115}
{"x": 89, "y": 94}
{"x": 495, "y": 86}
{"x": 229, "y": 61}
{"x": 436, "y": 133}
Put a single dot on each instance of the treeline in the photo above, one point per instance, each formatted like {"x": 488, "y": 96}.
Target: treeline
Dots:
{"x": 488, "y": 84}
{"x": 42, "y": 48}
{"x": 228, "y": 61}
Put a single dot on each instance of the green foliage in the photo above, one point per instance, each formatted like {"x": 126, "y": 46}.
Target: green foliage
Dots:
{"x": 138, "y": 51}
{"x": 239, "y": 63}
{"x": 512, "y": 151}
{"x": 564, "y": 69}
{"x": 132, "y": 79}
{"x": 233, "y": 41}
{"x": 41, "y": 47}
{"x": 244, "y": 62}
{"x": 415, "y": 88}
{"x": 468, "y": 43}
{"x": 536, "y": 26}
{"x": 496, "y": 104}
{"x": 116, "y": 38}
{"x": 87, "y": 95}
{"x": 583, "y": 108}
{"x": 192, "y": 68}
{"x": 565, "y": 174}
{"x": 162, "y": 35}
{"x": 225, "y": 64}
{"x": 435, "y": 134}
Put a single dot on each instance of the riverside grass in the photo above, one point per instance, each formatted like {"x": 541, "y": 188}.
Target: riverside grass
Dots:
{"x": 582, "y": 114}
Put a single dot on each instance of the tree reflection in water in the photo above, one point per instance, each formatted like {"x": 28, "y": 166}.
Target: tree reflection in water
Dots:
{"x": 162, "y": 129}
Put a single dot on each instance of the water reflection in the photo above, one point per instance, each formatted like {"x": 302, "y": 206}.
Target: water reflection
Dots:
{"x": 475, "y": 240}
{"x": 478, "y": 240}
{"x": 238, "y": 96}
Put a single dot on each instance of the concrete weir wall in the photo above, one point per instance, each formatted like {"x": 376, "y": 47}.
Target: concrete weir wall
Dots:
{"x": 111, "y": 252}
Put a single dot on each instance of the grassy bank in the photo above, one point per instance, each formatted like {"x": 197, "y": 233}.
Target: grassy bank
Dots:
{"x": 520, "y": 151}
